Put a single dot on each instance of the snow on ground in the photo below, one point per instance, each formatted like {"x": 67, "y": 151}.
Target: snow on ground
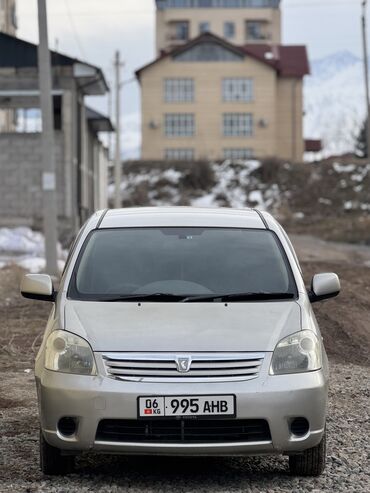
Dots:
{"x": 20, "y": 241}
{"x": 232, "y": 184}
{"x": 24, "y": 247}
{"x": 267, "y": 185}
{"x": 234, "y": 181}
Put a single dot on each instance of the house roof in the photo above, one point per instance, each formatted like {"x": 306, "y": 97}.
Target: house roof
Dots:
{"x": 99, "y": 122}
{"x": 18, "y": 53}
{"x": 288, "y": 61}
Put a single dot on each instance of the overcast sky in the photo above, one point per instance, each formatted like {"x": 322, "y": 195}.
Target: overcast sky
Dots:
{"x": 93, "y": 29}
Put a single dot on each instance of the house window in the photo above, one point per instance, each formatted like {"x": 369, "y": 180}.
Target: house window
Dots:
{"x": 185, "y": 154}
{"x": 237, "y": 89}
{"x": 209, "y": 52}
{"x": 179, "y": 125}
{"x": 229, "y": 30}
{"x": 236, "y": 154}
{"x": 204, "y": 27}
{"x": 255, "y": 30}
{"x": 179, "y": 90}
{"x": 237, "y": 124}
{"x": 182, "y": 30}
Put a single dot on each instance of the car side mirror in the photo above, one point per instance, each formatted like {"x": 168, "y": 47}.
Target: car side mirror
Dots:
{"x": 324, "y": 286}
{"x": 38, "y": 287}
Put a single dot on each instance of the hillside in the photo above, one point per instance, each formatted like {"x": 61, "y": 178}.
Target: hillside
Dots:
{"x": 335, "y": 101}
{"x": 330, "y": 199}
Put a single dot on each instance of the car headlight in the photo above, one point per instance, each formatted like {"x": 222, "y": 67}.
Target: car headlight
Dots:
{"x": 297, "y": 353}
{"x": 68, "y": 353}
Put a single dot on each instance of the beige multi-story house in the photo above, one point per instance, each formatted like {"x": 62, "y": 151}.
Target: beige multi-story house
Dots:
{"x": 8, "y": 25}
{"x": 222, "y": 85}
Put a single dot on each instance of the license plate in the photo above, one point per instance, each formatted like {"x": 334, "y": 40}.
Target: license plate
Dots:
{"x": 199, "y": 405}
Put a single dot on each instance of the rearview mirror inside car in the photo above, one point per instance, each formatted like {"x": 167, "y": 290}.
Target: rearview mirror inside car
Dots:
{"x": 324, "y": 286}
{"x": 37, "y": 287}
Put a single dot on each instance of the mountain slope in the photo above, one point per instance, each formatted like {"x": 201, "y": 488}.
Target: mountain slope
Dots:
{"x": 335, "y": 101}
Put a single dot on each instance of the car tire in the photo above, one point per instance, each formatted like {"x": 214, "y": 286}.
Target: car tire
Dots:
{"x": 52, "y": 462}
{"x": 311, "y": 462}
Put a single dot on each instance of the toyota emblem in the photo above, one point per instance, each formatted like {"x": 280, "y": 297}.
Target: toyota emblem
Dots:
{"x": 183, "y": 363}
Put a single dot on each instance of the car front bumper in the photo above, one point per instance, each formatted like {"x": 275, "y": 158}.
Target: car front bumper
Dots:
{"x": 277, "y": 399}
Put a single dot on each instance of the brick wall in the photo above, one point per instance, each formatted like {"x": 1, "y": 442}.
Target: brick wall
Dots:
{"x": 20, "y": 177}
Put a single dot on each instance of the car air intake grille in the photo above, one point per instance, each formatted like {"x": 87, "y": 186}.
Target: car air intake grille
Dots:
{"x": 183, "y": 431}
{"x": 299, "y": 426}
{"x": 160, "y": 367}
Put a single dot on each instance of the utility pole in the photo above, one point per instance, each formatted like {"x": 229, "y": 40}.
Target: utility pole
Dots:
{"x": 48, "y": 176}
{"x": 366, "y": 70}
{"x": 118, "y": 162}
{"x": 110, "y": 113}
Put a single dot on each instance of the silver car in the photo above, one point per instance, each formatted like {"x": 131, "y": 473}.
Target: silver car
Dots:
{"x": 181, "y": 331}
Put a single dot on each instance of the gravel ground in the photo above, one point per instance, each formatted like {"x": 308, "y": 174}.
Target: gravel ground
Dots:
{"x": 345, "y": 325}
{"x": 347, "y": 466}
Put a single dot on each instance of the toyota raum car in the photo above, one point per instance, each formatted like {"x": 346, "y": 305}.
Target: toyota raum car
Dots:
{"x": 182, "y": 331}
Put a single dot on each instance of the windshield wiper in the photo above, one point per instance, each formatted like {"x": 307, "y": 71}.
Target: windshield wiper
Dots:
{"x": 259, "y": 296}
{"x": 169, "y": 297}
{"x": 145, "y": 297}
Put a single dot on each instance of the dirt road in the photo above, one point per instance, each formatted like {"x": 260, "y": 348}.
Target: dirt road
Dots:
{"x": 345, "y": 321}
{"x": 345, "y": 324}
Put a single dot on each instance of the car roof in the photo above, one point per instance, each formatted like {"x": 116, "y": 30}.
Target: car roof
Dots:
{"x": 182, "y": 217}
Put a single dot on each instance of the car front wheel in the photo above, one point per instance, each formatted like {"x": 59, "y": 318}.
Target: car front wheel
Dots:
{"x": 311, "y": 462}
{"x": 52, "y": 462}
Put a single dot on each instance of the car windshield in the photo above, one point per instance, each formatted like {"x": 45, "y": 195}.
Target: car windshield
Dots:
{"x": 174, "y": 264}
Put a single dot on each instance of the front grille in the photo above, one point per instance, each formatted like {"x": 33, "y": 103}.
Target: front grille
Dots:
{"x": 160, "y": 367}
{"x": 183, "y": 430}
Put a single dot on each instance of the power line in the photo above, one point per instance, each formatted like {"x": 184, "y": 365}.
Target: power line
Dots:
{"x": 73, "y": 26}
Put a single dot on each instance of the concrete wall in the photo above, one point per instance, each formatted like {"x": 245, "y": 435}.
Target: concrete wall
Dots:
{"x": 21, "y": 174}
{"x": 280, "y": 134}
{"x": 217, "y": 17}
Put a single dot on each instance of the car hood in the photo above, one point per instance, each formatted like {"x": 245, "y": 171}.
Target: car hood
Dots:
{"x": 175, "y": 327}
